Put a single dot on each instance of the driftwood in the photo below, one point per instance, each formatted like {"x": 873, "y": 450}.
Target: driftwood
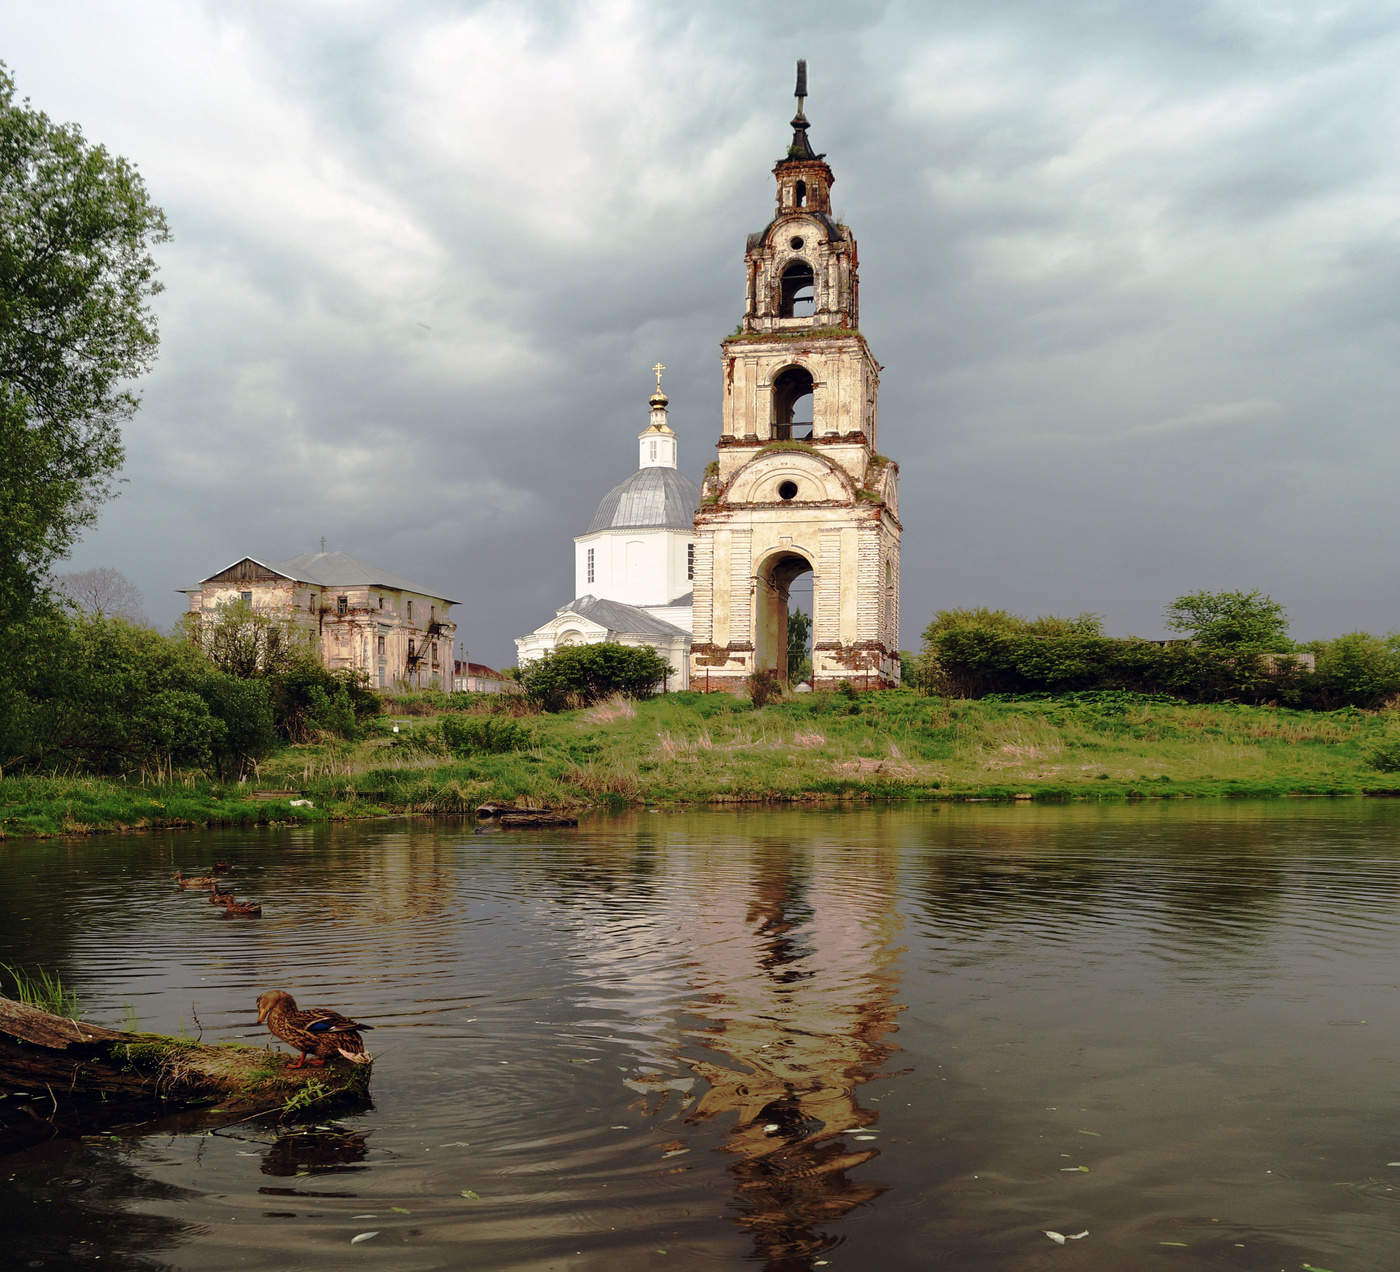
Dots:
{"x": 510, "y": 815}
{"x": 67, "y": 1077}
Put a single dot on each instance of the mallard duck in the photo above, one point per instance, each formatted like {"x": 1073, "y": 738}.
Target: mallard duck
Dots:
{"x": 312, "y": 1029}
{"x": 241, "y": 909}
{"x": 218, "y": 895}
{"x": 194, "y": 881}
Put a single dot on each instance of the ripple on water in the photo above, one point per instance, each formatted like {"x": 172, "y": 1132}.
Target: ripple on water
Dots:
{"x": 758, "y": 1038}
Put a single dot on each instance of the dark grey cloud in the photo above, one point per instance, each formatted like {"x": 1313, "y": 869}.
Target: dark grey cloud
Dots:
{"x": 1130, "y": 268}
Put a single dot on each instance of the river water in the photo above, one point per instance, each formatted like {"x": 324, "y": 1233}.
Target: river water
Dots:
{"x": 898, "y": 1038}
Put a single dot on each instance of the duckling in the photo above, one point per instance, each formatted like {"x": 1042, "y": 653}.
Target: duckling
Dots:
{"x": 194, "y": 881}
{"x": 317, "y": 1029}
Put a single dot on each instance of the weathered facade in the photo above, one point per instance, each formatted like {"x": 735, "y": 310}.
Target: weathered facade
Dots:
{"x": 799, "y": 484}
{"x": 360, "y": 618}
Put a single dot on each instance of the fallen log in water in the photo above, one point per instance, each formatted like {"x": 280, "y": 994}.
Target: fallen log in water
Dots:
{"x": 511, "y": 815}
{"x": 67, "y": 1077}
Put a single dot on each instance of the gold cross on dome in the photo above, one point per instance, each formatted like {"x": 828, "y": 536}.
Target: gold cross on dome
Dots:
{"x": 659, "y": 368}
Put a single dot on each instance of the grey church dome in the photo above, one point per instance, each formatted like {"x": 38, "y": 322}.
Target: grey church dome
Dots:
{"x": 651, "y": 499}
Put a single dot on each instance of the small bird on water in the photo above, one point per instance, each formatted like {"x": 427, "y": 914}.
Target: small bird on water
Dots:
{"x": 312, "y": 1029}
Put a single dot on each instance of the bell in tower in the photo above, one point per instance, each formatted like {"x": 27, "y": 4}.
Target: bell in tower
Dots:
{"x": 798, "y": 485}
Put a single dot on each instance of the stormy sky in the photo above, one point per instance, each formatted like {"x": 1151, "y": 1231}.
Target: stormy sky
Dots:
{"x": 1132, "y": 270}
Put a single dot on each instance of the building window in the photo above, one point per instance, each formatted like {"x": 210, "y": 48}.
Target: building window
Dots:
{"x": 381, "y": 602}
{"x": 653, "y": 452}
{"x": 590, "y": 565}
{"x": 798, "y": 291}
{"x": 246, "y": 597}
{"x": 342, "y": 606}
{"x": 793, "y": 404}
{"x": 380, "y": 649}
{"x": 410, "y": 611}
{"x": 435, "y": 654}
{"x": 689, "y": 560}
{"x": 410, "y": 646}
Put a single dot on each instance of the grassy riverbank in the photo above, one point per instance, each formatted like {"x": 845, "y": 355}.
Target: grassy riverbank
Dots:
{"x": 693, "y": 749}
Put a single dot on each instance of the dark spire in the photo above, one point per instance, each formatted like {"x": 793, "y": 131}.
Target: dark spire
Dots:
{"x": 801, "y": 148}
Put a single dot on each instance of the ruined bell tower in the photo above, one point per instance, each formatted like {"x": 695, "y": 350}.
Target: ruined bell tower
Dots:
{"x": 799, "y": 484}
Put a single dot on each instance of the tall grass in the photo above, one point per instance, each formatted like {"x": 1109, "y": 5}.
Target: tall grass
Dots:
{"x": 41, "y": 989}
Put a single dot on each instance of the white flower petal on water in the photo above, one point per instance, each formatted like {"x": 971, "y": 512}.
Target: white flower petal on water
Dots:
{"x": 364, "y": 1236}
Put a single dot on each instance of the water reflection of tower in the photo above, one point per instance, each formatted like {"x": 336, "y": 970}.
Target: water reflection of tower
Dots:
{"x": 795, "y": 974}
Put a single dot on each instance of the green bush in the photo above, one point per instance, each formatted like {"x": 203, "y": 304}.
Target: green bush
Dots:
{"x": 1385, "y": 754}
{"x": 764, "y": 686}
{"x": 1357, "y": 669}
{"x": 424, "y": 739}
{"x": 309, "y": 701}
{"x": 467, "y": 735}
{"x": 244, "y": 709}
{"x": 581, "y": 674}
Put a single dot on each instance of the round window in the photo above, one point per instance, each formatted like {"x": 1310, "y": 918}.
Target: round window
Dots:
{"x": 787, "y": 490}
{"x": 796, "y": 245}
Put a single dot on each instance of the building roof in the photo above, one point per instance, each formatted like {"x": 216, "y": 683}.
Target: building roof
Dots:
{"x": 630, "y": 620}
{"x": 650, "y": 499}
{"x": 340, "y": 569}
{"x": 461, "y": 668}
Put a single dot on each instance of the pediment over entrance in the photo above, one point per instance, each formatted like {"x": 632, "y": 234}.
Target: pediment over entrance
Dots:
{"x": 790, "y": 476}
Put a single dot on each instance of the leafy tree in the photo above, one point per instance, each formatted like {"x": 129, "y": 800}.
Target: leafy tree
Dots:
{"x": 1085, "y": 624}
{"x": 102, "y": 695}
{"x": 1357, "y": 669}
{"x": 243, "y": 641}
{"x": 244, "y": 707}
{"x": 308, "y": 699}
{"x": 1244, "y": 622}
{"x": 104, "y": 591}
{"x": 76, "y": 277}
{"x": 799, "y": 664}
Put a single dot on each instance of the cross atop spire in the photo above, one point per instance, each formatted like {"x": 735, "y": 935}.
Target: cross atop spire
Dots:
{"x": 659, "y": 368}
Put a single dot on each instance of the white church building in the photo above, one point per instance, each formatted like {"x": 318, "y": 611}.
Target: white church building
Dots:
{"x": 634, "y": 567}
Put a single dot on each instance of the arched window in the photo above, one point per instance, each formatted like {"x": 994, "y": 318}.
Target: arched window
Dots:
{"x": 799, "y": 291}
{"x": 792, "y": 404}
{"x": 799, "y": 194}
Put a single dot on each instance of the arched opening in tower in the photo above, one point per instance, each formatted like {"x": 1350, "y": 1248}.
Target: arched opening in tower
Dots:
{"x": 799, "y": 291}
{"x": 792, "y": 405}
{"x": 799, "y": 195}
{"x": 772, "y": 592}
